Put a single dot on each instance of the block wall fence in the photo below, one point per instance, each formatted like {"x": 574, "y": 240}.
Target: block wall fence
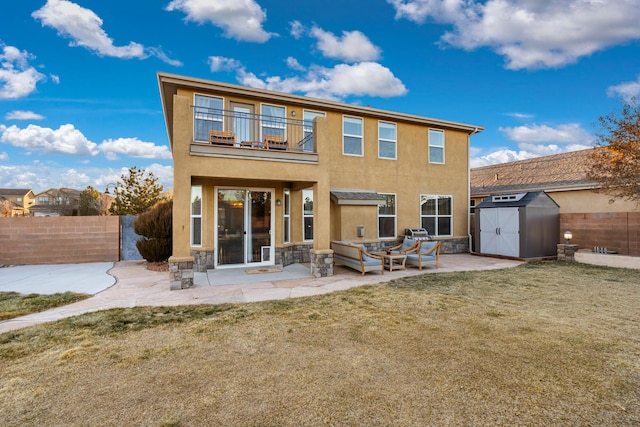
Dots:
{"x": 59, "y": 240}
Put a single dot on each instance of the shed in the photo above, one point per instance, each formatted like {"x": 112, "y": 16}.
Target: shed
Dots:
{"x": 520, "y": 225}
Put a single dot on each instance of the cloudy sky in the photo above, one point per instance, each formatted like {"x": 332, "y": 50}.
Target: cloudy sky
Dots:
{"x": 79, "y": 101}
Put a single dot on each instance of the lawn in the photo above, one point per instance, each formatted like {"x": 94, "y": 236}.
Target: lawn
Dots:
{"x": 541, "y": 344}
{"x": 14, "y": 304}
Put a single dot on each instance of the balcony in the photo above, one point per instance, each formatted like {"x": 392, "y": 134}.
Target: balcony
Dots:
{"x": 247, "y": 132}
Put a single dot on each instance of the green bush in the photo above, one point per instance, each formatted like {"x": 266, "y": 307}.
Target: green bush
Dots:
{"x": 155, "y": 227}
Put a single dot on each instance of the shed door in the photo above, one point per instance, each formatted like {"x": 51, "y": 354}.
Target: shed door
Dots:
{"x": 500, "y": 231}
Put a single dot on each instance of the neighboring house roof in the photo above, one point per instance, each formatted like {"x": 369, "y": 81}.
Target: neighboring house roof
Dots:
{"x": 566, "y": 171}
{"x": 14, "y": 192}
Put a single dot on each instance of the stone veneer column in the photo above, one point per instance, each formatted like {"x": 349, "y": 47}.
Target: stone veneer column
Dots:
{"x": 567, "y": 252}
{"x": 180, "y": 272}
{"x": 321, "y": 262}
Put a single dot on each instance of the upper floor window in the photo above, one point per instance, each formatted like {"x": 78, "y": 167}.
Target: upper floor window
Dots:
{"x": 208, "y": 115}
{"x": 196, "y": 216}
{"x": 387, "y": 140}
{"x": 436, "y": 146}
{"x": 307, "y": 214}
{"x": 273, "y": 120}
{"x": 352, "y": 136}
{"x": 43, "y": 200}
{"x": 287, "y": 216}
{"x": 308, "y": 139}
{"x": 387, "y": 217}
{"x": 436, "y": 214}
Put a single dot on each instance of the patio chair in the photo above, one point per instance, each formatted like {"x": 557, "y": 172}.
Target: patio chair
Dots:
{"x": 219, "y": 137}
{"x": 275, "y": 142}
{"x": 407, "y": 245}
{"x": 428, "y": 252}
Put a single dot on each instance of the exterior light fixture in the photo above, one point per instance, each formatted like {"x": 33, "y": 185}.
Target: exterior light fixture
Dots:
{"x": 278, "y": 202}
{"x": 568, "y": 236}
{"x": 106, "y": 190}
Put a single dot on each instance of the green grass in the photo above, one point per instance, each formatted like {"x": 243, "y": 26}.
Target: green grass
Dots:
{"x": 13, "y": 304}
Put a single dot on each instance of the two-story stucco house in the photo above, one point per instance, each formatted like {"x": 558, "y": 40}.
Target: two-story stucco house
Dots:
{"x": 263, "y": 178}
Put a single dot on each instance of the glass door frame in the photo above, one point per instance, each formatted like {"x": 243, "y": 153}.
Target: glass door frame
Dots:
{"x": 247, "y": 226}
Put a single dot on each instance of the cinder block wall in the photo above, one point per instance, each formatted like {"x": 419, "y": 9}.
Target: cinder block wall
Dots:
{"x": 618, "y": 231}
{"x": 59, "y": 240}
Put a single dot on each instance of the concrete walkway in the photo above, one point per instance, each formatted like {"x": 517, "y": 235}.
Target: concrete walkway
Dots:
{"x": 137, "y": 286}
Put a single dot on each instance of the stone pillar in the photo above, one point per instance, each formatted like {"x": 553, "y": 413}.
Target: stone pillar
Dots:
{"x": 567, "y": 252}
{"x": 321, "y": 262}
{"x": 180, "y": 272}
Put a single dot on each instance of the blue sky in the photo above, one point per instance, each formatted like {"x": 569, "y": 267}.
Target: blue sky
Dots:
{"x": 79, "y": 101}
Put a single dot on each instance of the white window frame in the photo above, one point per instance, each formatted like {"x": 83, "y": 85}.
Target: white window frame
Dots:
{"x": 305, "y": 194}
{"x": 435, "y": 231}
{"x": 386, "y": 140}
{"x": 207, "y": 118}
{"x": 274, "y": 124}
{"x": 196, "y": 190}
{"x": 346, "y": 135}
{"x": 433, "y": 146}
{"x": 286, "y": 216}
{"x": 386, "y": 215}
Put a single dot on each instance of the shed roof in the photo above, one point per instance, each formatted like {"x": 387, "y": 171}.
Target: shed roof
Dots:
{"x": 550, "y": 173}
{"x": 525, "y": 199}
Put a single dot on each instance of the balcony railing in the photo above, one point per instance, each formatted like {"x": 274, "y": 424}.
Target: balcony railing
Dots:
{"x": 252, "y": 131}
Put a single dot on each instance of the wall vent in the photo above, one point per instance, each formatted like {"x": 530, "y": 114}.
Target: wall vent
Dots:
{"x": 508, "y": 197}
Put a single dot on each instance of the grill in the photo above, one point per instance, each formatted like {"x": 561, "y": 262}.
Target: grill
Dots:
{"x": 417, "y": 233}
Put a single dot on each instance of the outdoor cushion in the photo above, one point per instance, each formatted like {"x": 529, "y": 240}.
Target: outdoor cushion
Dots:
{"x": 426, "y": 245}
{"x": 365, "y": 257}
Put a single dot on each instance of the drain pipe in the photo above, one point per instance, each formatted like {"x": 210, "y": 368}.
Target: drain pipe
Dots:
{"x": 471, "y": 251}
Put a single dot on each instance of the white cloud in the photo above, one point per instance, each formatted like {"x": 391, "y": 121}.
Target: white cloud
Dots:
{"x": 626, "y": 90}
{"x": 55, "y": 78}
{"x": 40, "y": 176}
{"x": 23, "y": 115}
{"x": 240, "y": 19}
{"x": 84, "y": 28}
{"x": 353, "y": 46}
{"x": 4, "y": 156}
{"x": 133, "y": 147}
{"x": 70, "y": 141}
{"x": 64, "y": 140}
{"x": 529, "y": 33}
{"x": 297, "y": 29}
{"x": 220, "y": 63}
{"x": 534, "y": 141}
{"x": 294, "y": 64}
{"x": 362, "y": 79}
{"x": 533, "y": 133}
{"x": 17, "y": 77}
{"x": 521, "y": 115}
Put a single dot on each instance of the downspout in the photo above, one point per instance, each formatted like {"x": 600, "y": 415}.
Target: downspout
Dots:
{"x": 476, "y": 130}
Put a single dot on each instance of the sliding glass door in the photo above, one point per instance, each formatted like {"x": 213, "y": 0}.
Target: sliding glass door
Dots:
{"x": 244, "y": 224}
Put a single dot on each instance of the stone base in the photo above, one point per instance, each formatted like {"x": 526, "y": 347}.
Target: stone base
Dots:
{"x": 180, "y": 273}
{"x": 567, "y": 252}
{"x": 203, "y": 260}
{"x": 321, "y": 263}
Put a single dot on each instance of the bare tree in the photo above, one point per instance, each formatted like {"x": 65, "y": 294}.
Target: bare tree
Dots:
{"x": 616, "y": 157}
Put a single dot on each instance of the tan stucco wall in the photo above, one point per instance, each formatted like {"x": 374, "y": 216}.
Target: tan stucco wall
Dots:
{"x": 409, "y": 176}
{"x": 588, "y": 201}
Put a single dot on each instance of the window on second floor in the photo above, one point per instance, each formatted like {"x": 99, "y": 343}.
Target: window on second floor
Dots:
{"x": 273, "y": 121}
{"x": 208, "y": 115}
{"x": 387, "y": 138}
{"x": 436, "y": 146}
{"x": 43, "y": 200}
{"x": 436, "y": 214}
{"x": 387, "y": 217}
{"x": 352, "y": 136}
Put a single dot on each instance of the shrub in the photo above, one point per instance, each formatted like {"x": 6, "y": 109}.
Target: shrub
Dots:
{"x": 155, "y": 227}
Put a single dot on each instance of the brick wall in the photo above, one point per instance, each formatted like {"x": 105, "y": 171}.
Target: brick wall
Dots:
{"x": 614, "y": 231}
{"x": 59, "y": 240}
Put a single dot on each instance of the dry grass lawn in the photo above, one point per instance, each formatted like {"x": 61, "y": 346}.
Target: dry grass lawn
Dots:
{"x": 541, "y": 344}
